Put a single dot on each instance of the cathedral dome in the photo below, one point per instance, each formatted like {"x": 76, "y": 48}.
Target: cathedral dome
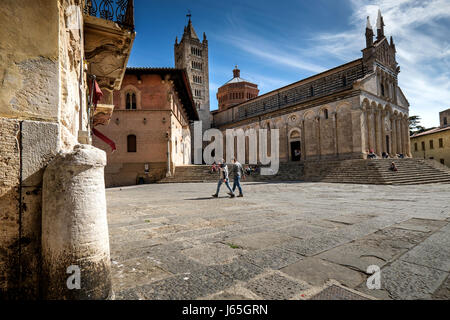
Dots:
{"x": 235, "y": 91}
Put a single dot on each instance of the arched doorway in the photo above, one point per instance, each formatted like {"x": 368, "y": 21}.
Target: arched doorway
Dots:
{"x": 295, "y": 145}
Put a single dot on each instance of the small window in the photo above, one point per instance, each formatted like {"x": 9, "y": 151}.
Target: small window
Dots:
{"x": 325, "y": 113}
{"x": 431, "y": 144}
{"x": 441, "y": 143}
{"x": 445, "y": 121}
{"x": 382, "y": 90}
{"x": 130, "y": 103}
{"x": 442, "y": 161}
{"x": 311, "y": 91}
{"x": 131, "y": 143}
{"x": 415, "y": 146}
{"x": 423, "y": 145}
{"x": 285, "y": 99}
{"x": 344, "y": 81}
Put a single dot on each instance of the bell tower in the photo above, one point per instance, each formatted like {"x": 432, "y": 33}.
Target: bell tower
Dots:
{"x": 192, "y": 54}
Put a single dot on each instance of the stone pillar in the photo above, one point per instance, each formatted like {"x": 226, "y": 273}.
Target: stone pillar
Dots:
{"x": 335, "y": 133}
{"x": 378, "y": 135}
{"x": 358, "y": 140}
{"x": 407, "y": 138}
{"x": 399, "y": 136}
{"x": 368, "y": 129}
{"x": 75, "y": 243}
{"x": 383, "y": 131}
{"x": 319, "y": 147}
{"x": 393, "y": 136}
{"x": 303, "y": 137}
{"x": 372, "y": 132}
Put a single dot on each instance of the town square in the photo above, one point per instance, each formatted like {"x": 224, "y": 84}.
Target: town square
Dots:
{"x": 223, "y": 151}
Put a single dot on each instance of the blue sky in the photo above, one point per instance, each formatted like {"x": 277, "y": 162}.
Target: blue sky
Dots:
{"x": 275, "y": 43}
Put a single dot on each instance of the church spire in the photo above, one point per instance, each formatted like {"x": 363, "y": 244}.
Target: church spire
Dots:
{"x": 189, "y": 29}
{"x": 369, "y": 34}
{"x": 380, "y": 26}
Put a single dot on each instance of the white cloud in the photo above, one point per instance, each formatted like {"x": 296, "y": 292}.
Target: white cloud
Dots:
{"x": 271, "y": 52}
{"x": 423, "y": 48}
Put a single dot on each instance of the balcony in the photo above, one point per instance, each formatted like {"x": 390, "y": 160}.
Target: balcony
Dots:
{"x": 108, "y": 38}
{"x": 119, "y": 11}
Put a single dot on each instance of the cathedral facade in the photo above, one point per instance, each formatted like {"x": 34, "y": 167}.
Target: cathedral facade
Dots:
{"x": 342, "y": 113}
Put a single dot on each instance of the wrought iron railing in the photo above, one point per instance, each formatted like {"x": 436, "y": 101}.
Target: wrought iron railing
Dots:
{"x": 119, "y": 11}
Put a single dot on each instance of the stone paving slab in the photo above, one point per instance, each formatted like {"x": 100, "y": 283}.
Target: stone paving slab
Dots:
{"x": 239, "y": 270}
{"x": 259, "y": 240}
{"x": 282, "y": 241}
{"x": 434, "y": 252}
{"x": 360, "y": 254}
{"x": 217, "y": 253}
{"x": 424, "y": 225}
{"x": 407, "y": 281}
{"x": 276, "y": 287}
{"x": 272, "y": 258}
{"x": 135, "y": 272}
{"x": 317, "y": 272}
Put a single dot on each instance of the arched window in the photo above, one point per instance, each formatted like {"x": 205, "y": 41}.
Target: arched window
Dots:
{"x": 325, "y": 113}
{"x": 130, "y": 103}
{"x": 131, "y": 143}
{"x": 382, "y": 90}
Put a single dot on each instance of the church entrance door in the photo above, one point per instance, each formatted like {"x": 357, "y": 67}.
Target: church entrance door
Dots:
{"x": 387, "y": 145}
{"x": 295, "y": 151}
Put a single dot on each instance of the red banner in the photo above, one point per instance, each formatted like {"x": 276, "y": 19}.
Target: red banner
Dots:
{"x": 104, "y": 138}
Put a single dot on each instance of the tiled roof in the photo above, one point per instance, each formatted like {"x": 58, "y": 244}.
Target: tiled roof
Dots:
{"x": 431, "y": 131}
{"x": 237, "y": 79}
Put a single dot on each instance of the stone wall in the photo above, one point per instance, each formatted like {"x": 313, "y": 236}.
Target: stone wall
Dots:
{"x": 40, "y": 54}
{"x": 9, "y": 204}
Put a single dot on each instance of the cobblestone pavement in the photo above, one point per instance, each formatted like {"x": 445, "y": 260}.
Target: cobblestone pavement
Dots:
{"x": 281, "y": 241}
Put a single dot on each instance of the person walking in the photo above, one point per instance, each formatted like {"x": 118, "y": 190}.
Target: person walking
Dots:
{"x": 238, "y": 172}
{"x": 223, "y": 178}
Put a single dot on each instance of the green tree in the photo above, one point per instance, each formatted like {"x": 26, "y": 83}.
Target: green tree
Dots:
{"x": 415, "y": 126}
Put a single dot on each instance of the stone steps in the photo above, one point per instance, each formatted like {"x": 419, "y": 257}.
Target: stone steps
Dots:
{"x": 201, "y": 173}
{"x": 410, "y": 171}
{"x": 375, "y": 171}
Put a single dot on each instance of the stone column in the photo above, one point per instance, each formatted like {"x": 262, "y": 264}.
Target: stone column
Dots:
{"x": 75, "y": 245}
{"x": 378, "y": 135}
{"x": 372, "y": 139}
{"x": 303, "y": 138}
{"x": 319, "y": 147}
{"x": 368, "y": 129}
{"x": 383, "y": 131}
{"x": 407, "y": 138}
{"x": 399, "y": 135}
{"x": 336, "y": 151}
{"x": 402, "y": 135}
{"x": 393, "y": 136}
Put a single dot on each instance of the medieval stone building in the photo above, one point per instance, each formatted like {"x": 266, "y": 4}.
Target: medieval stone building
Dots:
{"x": 49, "y": 51}
{"x": 434, "y": 143}
{"x": 236, "y": 91}
{"x": 150, "y": 126}
{"x": 341, "y": 113}
{"x": 191, "y": 54}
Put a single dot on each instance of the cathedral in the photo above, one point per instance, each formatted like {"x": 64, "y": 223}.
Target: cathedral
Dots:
{"x": 342, "y": 113}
